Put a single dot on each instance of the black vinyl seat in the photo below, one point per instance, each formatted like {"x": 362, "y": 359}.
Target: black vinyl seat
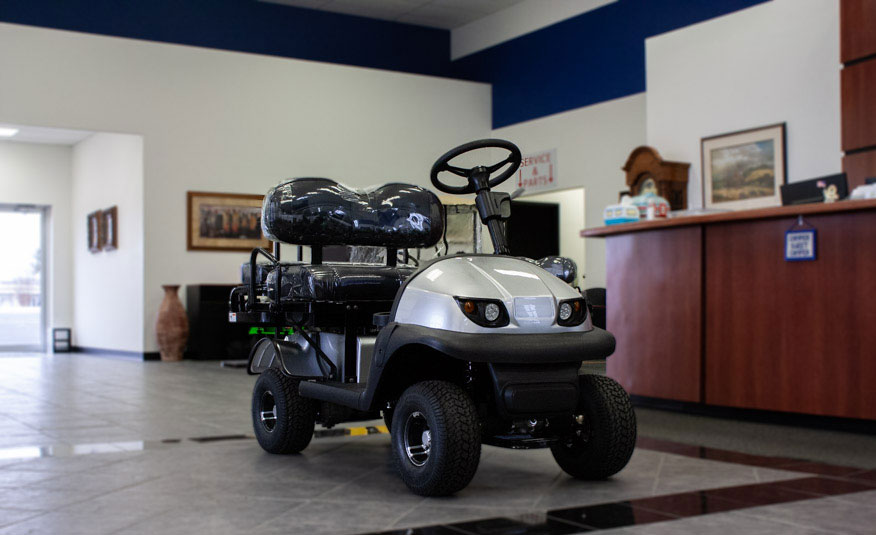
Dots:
{"x": 337, "y": 282}
{"x": 318, "y": 212}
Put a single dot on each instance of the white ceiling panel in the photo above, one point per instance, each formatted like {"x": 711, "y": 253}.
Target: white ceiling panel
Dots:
{"x": 446, "y": 14}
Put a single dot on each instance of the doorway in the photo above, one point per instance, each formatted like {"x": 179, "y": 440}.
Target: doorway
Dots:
{"x": 23, "y": 277}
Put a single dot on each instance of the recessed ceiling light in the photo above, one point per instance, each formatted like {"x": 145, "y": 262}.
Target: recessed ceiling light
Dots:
{"x": 7, "y": 132}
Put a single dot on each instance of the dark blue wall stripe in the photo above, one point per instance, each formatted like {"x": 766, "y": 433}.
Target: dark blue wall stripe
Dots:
{"x": 591, "y": 58}
{"x": 247, "y": 26}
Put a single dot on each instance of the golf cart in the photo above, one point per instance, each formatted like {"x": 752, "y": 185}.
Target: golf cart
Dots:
{"x": 464, "y": 350}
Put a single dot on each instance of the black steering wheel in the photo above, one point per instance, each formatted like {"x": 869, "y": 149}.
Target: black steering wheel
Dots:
{"x": 478, "y": 177}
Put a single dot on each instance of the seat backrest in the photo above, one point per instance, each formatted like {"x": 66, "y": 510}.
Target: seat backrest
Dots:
{"x": 319, "y": 211}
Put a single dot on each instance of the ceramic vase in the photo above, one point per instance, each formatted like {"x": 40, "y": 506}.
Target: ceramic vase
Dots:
{"x": 172, "y": 325}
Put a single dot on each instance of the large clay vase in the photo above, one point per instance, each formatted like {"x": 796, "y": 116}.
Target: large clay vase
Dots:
{"x": 172, "y": 325}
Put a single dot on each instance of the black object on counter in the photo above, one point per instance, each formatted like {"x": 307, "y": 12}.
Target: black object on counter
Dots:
{"x": 810, "y": 191}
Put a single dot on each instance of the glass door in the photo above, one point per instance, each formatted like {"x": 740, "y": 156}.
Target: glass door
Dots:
{"x": 22, "y": 278}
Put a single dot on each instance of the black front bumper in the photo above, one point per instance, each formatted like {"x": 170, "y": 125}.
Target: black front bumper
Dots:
{"x": 500, "y": 348}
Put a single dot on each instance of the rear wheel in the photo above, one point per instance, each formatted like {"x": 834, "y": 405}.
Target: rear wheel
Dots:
{"x": 603, "y": 431}
{"x": 282, "y": 420}
{"x": 436, "y": 438}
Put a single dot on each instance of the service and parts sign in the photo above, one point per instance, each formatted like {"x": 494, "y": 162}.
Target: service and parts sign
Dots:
{"x": 538, "y": 172}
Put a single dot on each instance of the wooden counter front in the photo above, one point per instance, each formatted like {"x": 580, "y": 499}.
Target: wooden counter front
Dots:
{"x": 706, "y": 309}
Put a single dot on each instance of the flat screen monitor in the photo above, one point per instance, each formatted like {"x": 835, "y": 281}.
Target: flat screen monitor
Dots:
{"x": 534, "y": 229}
{"x": 812, "y": 191}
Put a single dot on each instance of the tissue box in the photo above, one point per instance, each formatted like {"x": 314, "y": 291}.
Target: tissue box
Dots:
{"x": 620, "y": 213}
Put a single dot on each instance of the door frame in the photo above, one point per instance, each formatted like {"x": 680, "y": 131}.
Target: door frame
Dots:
{"x": 45, "y": 213}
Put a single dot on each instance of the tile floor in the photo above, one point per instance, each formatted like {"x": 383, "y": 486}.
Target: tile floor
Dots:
{"x": 99, "y": 445}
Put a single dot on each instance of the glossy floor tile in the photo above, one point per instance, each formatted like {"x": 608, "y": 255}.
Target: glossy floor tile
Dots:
{"x": 98, "y": 445}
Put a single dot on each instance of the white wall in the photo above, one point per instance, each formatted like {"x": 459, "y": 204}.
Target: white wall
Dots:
{"x": 40, "y": 174}
{"x": 519, "y": 19}
{"x": 108, "y": 285}
{"x": 231, "y": 122}
{"x": 592, "y": 144}
{"x": 775, "y": 62}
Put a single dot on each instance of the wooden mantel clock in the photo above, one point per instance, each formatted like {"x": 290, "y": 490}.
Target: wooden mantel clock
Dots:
{"x": 648, "y": 172}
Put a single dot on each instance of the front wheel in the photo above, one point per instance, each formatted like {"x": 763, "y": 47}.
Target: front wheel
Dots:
{"x": 436, "y": 438}
{"x": 602, "y": 435}
{"x": 282, "y": 420}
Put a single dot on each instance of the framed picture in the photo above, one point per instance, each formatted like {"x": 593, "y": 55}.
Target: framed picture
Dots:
{"x": 744, "y": 170}
{"x": 109, "y": 227}
{"x": 94, "y": 231}
{"x": 224, "y": 222}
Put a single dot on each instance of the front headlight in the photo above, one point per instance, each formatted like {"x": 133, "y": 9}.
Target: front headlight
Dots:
{"x": 484, "y": 312}
{"x": 571, "y": 312}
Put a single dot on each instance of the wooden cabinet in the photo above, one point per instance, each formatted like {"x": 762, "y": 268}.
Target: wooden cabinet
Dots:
{"x": 653, "y": 298}
{"x": 792, "y": 336}
{"x": 858, "y": 88}
{"x": 858, "y": 92}
{"x": 706, "y": 309}
{"x": 857, "y": 29}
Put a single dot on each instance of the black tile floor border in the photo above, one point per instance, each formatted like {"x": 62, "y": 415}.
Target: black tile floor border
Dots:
{"x": 852, "y": 473}
{"x": 646, "y": 510}
{"x": 827, "y": 480}
{"x": 219, "y": 438}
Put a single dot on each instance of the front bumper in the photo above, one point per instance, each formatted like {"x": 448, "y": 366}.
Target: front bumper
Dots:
{"x": 531, "y": 348}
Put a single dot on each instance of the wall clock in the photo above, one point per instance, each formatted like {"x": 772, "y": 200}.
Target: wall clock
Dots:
{"x": 647, "y": 172}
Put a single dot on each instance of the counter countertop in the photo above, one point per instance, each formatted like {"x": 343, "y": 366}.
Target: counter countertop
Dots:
{"x": 741, "y": 215}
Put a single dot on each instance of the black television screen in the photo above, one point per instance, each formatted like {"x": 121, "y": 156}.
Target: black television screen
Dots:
{"x": 534, "y": 229}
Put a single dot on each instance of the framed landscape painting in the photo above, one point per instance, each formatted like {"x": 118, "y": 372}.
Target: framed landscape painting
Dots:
{"x": 744, "y": 170}
{"x": 224, "y": 222}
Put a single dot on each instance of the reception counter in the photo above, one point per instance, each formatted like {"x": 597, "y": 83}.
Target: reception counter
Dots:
{"x": 706, "y": 309}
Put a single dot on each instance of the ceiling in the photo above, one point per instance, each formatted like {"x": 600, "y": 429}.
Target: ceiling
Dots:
{"x": 39, "y": 134}
{"x": 446, "y": 14}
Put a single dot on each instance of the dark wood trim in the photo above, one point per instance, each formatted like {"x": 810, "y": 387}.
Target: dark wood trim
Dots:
{"x": 858, "y": 106}
{"x": 859, "y": 166}
{"x": 190, "y": 195}
{"x": 741, "y": 215}
{"x": 859, "y": 60}
{"x": 857, "y": 30}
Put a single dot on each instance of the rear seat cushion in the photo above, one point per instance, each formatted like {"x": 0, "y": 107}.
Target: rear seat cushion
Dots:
{"x": 338, "y": 282}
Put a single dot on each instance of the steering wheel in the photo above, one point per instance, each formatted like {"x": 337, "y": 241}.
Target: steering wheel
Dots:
{"x": 478, "y": 177}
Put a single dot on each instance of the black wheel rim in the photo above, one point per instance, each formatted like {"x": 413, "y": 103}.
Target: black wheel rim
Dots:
{"x": 268, "y": 411}
{"x": 417, "y": 439}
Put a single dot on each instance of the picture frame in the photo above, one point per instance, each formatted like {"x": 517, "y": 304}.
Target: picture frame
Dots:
{"x": 95, "y": 224}
{"x": 744, "y": 170}
{"x": 224, "y": 222}
{"x": 109, "y": 227}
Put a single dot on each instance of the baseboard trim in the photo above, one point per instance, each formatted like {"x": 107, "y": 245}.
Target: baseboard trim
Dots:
{"x": 135, "y": 355}
{"x": 834, "y": 423}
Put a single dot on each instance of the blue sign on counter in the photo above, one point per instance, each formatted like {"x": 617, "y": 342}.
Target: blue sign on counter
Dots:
{"x": 800, "y": 245}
